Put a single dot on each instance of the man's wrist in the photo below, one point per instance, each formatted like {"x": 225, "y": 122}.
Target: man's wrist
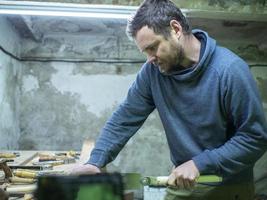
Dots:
{"x": 98, "y": 158}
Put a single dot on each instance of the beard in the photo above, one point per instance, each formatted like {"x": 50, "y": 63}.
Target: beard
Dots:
{"x": 172, "y": 70}
{"x": 172, "y": 64}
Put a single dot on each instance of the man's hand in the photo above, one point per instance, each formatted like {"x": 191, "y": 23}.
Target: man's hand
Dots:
{"x": 80, "y": 169}
{"x": 184, "y": 176}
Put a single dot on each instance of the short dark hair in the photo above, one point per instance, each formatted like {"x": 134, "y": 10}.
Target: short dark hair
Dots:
{"x": 156, "y": 14}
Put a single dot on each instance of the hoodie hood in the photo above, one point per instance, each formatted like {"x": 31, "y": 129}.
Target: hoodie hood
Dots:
{"x": 209, "y": 48}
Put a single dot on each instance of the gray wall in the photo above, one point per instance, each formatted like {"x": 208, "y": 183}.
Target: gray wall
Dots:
{"x": 56, "y": 105}
{"x": 10, "y": 74}
{"x": 64, "y": 103}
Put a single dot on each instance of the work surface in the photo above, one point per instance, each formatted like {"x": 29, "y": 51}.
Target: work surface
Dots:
{"x": 27, "y": 165}
{"x": 24, "y": 161}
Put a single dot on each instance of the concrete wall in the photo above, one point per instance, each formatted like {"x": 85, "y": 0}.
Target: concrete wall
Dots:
{"x": 56, "y": 105}
{"x": 64, "y": 103}
{"x": 260, "y": 74}
{"x": 10, "y": 74}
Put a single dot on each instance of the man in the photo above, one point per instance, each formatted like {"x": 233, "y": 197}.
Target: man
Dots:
{"x": 206, "y": 98}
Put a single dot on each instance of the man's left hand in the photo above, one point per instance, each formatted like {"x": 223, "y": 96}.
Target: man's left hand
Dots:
{"x": 184, "y": 176}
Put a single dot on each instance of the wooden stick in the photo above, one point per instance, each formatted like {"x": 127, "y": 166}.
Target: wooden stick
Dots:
{"x": 28, "y": 197}
{"x": 8, "y": 155}
{"x": 87, "y": 147}
{"x": 25, "y": 189}
{"x": 25, "y": 174}
{"x": 18, "y": 180}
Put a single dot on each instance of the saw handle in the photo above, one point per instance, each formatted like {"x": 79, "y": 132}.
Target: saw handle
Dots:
{"x": 162, "y": 181}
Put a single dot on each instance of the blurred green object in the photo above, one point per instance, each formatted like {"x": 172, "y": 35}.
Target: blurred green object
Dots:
{"x": 131, "y": 181}
{"x": 97, "y": 192}
{"x": 102, "y": 186}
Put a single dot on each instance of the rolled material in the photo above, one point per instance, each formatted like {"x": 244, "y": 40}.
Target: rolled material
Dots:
{"x": 25, "y": 174}
{"x": 27, "y": 189}
{"x": 8, "y": 155}
{"x": 162, "y": 181}
{"x": 28, "y": 197}
{"x": 19, "y": 180}
{"x": 30, "y": 174}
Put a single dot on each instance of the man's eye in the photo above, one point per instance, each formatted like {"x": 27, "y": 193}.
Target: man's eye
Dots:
{"x": 152, "y": 49}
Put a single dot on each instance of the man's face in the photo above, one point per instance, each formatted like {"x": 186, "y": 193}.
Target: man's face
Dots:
{"x": 164, "y": 53}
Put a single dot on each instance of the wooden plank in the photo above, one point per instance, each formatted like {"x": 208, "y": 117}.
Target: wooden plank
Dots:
{"x": 87, "y": 147}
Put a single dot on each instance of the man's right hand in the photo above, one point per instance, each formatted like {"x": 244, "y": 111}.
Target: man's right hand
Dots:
{"x": 79, "y": 169}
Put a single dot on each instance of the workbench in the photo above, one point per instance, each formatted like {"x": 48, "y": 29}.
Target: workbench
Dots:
{"x": 28, "y": 158}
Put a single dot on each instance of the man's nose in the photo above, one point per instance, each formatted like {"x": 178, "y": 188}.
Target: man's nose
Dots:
{"x": 151, "y": 58}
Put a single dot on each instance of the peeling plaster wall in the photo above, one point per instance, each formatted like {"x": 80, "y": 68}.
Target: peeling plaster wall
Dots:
{"x": 80, "y": 38}
{"x": 260, "y": 75}
{"x": 64, "y": 103}
{"x": 9, "y": 39}
{"x": 106, "y": 39}
{"x": 60, "y": 104}
{"x": 10, "y": 74}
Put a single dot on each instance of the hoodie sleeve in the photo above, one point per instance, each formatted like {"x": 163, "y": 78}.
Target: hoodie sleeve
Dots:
{"x": 124, "y": 122}
{"x": 245, "y": 114}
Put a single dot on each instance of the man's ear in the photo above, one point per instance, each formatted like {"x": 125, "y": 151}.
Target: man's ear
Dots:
{"x": 176, "y": 27}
